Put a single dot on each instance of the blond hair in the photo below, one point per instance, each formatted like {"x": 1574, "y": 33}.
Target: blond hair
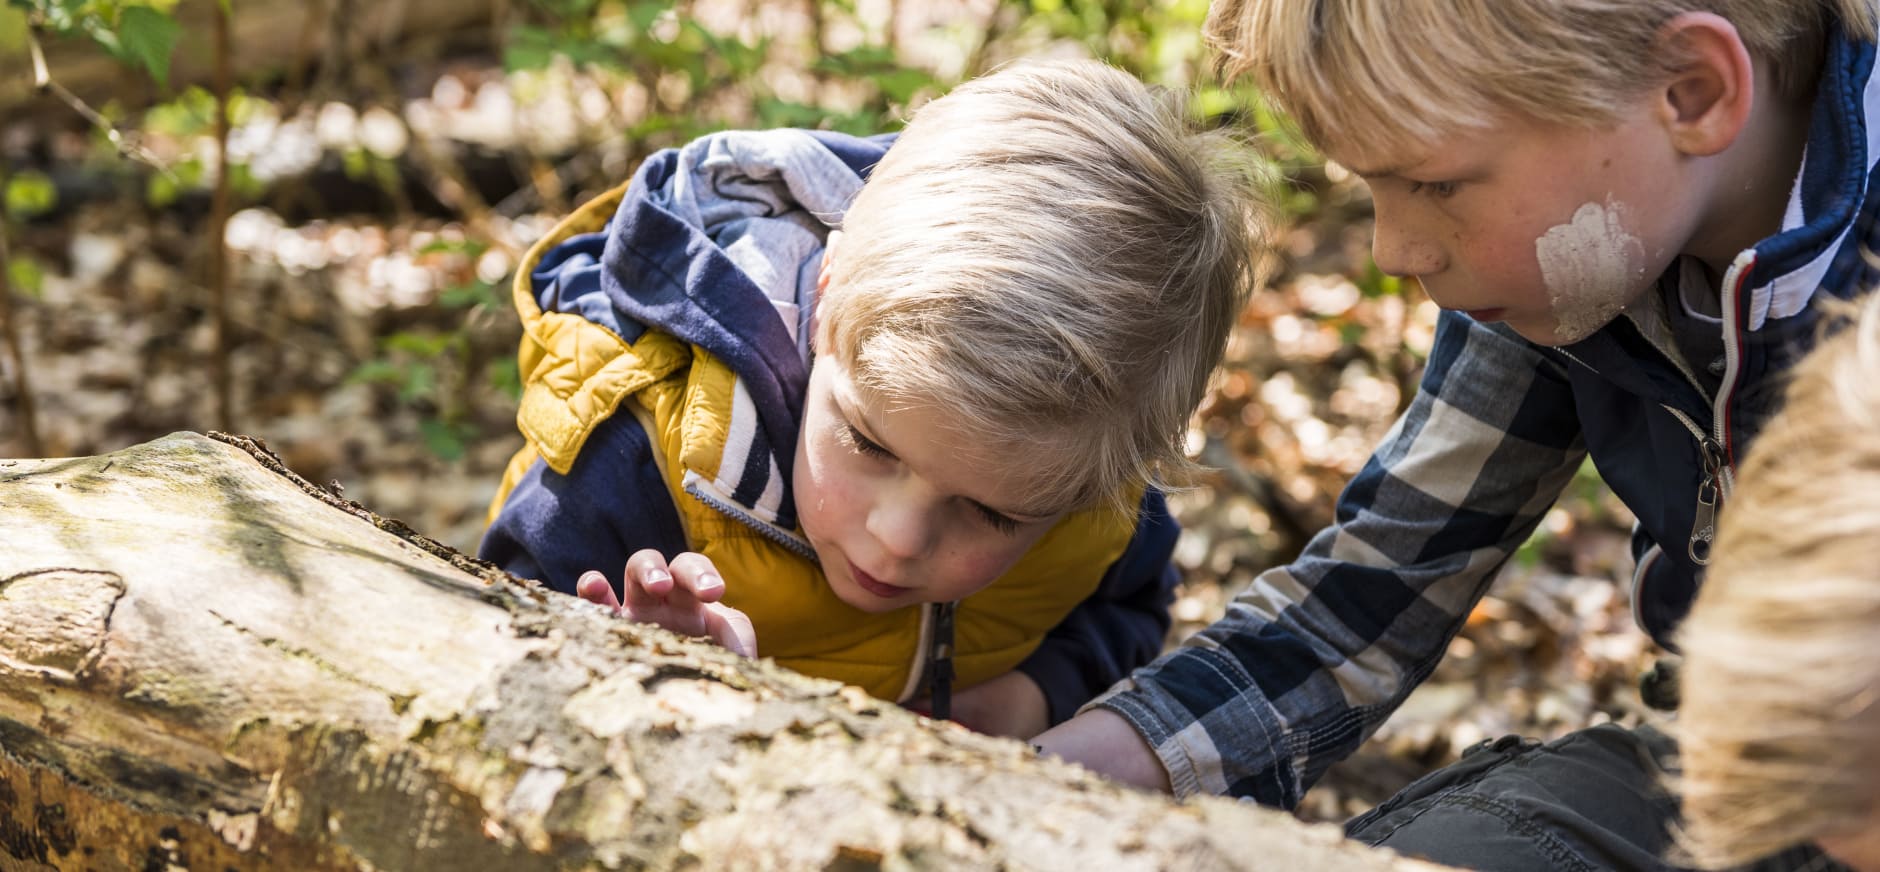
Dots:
{"x": 1055, "y": 253}
{"x": 1395, "y": 74}
{"x": 1779, "y": 728}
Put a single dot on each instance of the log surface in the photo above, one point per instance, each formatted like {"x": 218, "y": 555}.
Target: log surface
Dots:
{"x": 207, "y": 663}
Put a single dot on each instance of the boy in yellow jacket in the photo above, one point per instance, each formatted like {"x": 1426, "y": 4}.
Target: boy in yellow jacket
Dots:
{"x": 931, "y": 448}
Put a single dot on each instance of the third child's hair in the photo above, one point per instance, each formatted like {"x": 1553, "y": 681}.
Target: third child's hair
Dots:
{"x": 1779, "y": 726}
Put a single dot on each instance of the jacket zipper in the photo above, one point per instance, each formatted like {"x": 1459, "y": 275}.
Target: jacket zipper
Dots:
{"x": 1710, "y": 490}
{"x": 933, "y": 660}
{"x": 1732, "y": 360}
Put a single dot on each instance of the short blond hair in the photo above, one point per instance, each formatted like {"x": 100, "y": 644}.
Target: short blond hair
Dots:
{"x": 1779, "y": 728}
{"x": 1055, "y": 253}
{"x": 1387, "y": 75}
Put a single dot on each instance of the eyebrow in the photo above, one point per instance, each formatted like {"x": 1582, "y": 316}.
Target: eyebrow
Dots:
{"x": 1379, "y": 172}
{"x": 855, "y": 423}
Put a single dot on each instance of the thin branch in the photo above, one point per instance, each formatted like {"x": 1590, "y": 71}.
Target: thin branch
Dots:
{"x": 45, "y": 84}
{"x": 218, "y": 226}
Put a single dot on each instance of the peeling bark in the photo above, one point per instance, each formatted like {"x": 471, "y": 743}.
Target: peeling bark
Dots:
{"x": 208, "y": 663}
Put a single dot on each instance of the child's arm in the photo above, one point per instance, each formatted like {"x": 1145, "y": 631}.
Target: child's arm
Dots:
{"x": 611, "y": 503}
{"x": 1119, "y": 627}
{"x": 1311, "y": 658}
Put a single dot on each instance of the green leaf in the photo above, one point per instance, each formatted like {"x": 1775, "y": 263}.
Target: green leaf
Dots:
{"x": 147, "y": 37}
{"x": 26, "y": 276}
{"x": 29, "y": 194}
{"x": 466, "y": 247}
{"x": 445, "y": 441}
{"x": 506, "y": 374}
{"x": 1215, "y": 103}
{"x": 160, "y": 190}
{"x": 901, "y": 85}
{"x": 191, "y": 113}
{"x": 420, "y": 344}
{"x": 772, "y": 112}
{"x": 13, "y": 27}
{"x": 465, "y": 296}
{"x": 355, "y": 163}
{"x": 420, "y": 381}
{"x": 530, "y": 48}
{"x": 644, "y": 14}
{"x": 376, "y": 372}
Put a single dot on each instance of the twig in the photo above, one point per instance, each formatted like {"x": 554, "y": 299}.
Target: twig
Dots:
{"x": 44, "y": 83}
{"x": 218, "y": 225}
{"x": 22, "y": 386}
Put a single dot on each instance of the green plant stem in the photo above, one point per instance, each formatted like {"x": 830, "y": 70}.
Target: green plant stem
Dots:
{"x": 42, "y": 80}
{"x": 22, "y": 386}
{"x": 218, "y": 227}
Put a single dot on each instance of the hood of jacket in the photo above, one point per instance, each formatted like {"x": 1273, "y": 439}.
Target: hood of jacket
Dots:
{"x": 717, "y": 245}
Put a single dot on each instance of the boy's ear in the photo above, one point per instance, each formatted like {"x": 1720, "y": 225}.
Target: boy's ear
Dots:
{"x": 1706, "y": 101}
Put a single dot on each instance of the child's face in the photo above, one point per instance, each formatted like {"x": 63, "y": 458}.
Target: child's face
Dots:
{"x": 900, "y": 508}
{"x": 1552, "y": 229}
{"x": 1859, "y": 850}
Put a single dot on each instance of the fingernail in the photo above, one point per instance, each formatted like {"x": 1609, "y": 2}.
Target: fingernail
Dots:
{"x": 658, "y": 576}
{"x": 710, "y": 582}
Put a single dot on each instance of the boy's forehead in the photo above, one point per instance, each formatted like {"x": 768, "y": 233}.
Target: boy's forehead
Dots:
{"x": 1007, "y": 476}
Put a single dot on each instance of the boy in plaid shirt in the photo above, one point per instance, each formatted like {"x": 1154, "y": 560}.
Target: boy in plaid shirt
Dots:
{"x": 1631, "y": 213}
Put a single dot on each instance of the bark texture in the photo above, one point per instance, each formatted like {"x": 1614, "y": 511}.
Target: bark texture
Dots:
{"x": 207, "y": 663}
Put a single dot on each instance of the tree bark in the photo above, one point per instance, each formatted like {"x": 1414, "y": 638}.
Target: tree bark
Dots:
{"x": 208, "y": 663}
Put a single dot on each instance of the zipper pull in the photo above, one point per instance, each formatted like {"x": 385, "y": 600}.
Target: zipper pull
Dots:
{"x": 1704, "y": 526}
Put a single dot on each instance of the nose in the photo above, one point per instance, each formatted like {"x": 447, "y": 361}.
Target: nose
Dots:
{"x": 1402, "y": 248}
{"x": 900, "y": 521}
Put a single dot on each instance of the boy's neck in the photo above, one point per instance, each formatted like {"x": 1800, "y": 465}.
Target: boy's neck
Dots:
{"x": 1752, "y": 180}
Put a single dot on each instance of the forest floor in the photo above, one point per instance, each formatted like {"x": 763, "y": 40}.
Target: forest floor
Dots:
{"x": 369, "y": 335}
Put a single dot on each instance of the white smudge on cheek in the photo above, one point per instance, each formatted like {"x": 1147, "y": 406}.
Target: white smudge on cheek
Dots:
{"x": 1589, "y": 265}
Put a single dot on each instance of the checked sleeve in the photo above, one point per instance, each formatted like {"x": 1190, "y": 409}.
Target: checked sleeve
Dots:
{"x": 1314, "y": 656}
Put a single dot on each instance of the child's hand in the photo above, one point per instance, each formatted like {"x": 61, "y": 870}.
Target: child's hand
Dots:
{"x": 1009, "y": 705}
{"x": 681, "y": 596}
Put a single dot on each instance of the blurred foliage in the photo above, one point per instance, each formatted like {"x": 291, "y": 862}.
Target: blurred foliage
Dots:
{"x": 141, "y": 33}
{"x": 641, "y": 75}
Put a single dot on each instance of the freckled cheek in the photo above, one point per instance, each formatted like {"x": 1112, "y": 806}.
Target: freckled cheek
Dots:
{"x": 1500, "y": 263}
{"x": 829, "y": 492}
{"x": 971, "y": 567}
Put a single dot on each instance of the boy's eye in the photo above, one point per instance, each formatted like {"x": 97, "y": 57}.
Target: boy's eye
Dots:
{"x": 998, "y": 522}
{"x": 862, "y": 443}
{"x": 1439, "y": 190}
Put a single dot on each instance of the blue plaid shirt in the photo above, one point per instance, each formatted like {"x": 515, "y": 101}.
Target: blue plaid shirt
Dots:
{"x": 1314, "y": 656}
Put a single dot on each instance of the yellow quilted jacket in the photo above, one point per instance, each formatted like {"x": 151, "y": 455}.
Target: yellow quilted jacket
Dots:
{"x": 577, "y": 373}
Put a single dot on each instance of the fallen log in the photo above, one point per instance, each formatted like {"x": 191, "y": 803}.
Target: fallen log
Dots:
{"x": 208, "y": 663}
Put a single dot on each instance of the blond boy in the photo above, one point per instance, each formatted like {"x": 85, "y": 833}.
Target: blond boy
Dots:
{"x": 1779, "y": 731}
{"x": 927, "y": 452}
{"x": 1629, "y": 210}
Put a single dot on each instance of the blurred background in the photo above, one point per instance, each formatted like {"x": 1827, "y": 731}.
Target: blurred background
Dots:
{"x": 297, "y": 221}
